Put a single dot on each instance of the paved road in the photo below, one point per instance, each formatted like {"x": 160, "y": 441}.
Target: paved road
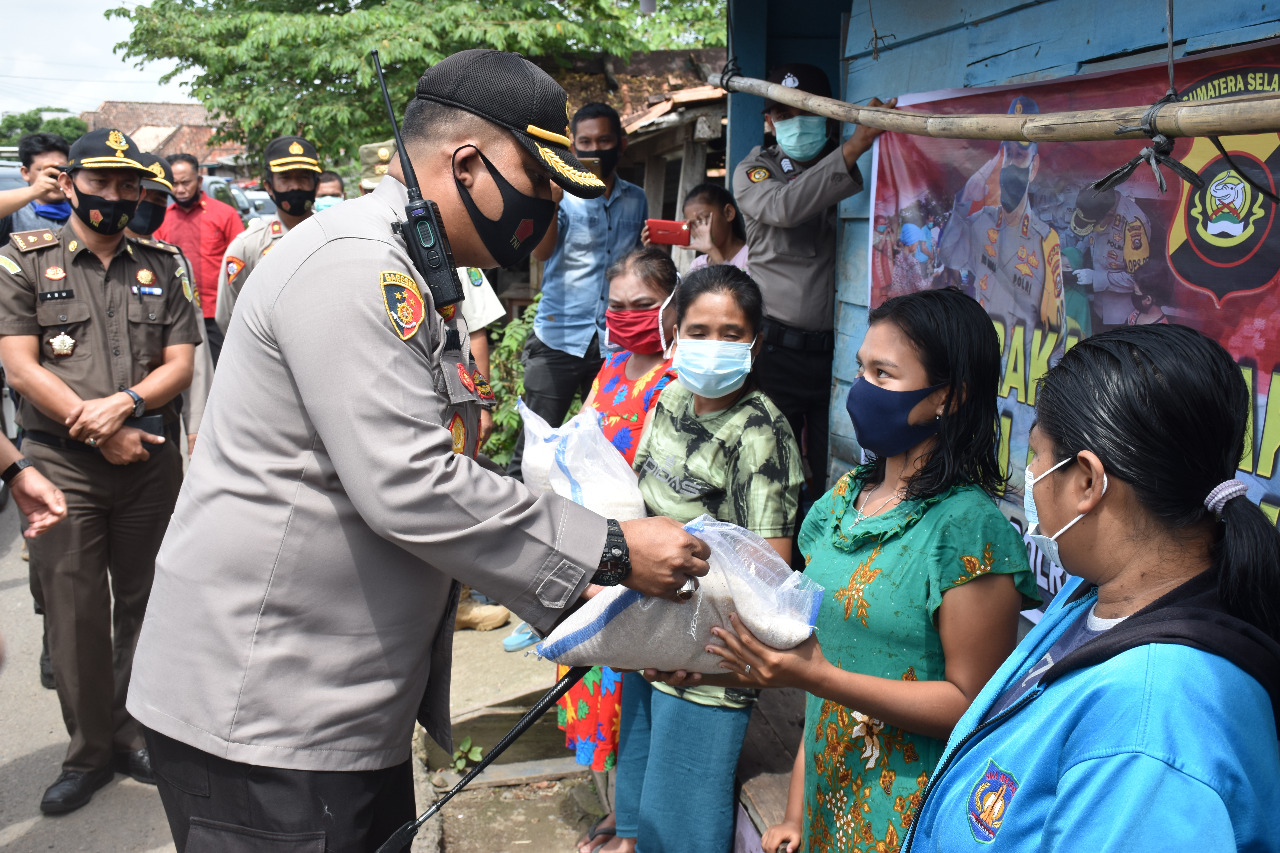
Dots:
{"x": 125, "y": 816}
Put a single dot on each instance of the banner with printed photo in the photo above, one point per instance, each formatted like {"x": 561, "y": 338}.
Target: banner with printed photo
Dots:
{"x": 1016, "y": 226}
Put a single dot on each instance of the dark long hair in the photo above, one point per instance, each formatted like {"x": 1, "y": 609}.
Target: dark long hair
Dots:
{"x": 957, "y": 345}
{"x": 1165, "y": 409}
{"x": 717, "y": 195}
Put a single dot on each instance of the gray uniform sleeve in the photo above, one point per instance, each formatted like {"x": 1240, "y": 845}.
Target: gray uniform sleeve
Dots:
{"x": 775, "y": 201}
{"x": 379, "y": 406}
{"x": 195, "y": 397}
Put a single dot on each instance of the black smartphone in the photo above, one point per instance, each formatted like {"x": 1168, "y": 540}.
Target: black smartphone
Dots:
{"x": 153, "y": 424}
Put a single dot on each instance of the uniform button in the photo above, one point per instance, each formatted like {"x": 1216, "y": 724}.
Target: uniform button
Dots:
{"x": 116, "y": 351}
{"x": 111, "y": 313}
{"x": 151, "y": 316}
{"x": 62, "y": 318}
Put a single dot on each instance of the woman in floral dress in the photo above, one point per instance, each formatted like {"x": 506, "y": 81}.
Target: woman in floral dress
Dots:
{"x": 624, "y": 391}
{"x": 924, "y": 579}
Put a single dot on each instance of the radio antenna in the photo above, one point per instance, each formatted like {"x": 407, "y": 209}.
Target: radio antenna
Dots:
{"x": 410, "y": 179}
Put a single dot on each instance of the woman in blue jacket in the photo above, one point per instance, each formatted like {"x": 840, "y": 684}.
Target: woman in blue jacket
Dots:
{"x": 1141, "y": 713}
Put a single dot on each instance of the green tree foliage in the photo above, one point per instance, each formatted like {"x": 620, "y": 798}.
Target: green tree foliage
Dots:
{"x": 17, "y": 125}
{"x": 266, "y": 68}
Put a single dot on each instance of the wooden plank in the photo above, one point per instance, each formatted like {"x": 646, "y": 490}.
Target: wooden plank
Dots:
{"x": 1227, "y": 38}
{"x": 693, "y": 170}
{"x": 655, "y": 182}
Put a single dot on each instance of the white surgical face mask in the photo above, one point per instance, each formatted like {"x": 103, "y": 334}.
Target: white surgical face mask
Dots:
{"x": 712, "y": 369}
{"x": 1048, "y": 545}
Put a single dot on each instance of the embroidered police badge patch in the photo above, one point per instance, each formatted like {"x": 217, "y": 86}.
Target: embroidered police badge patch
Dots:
{"x": 458, "y": 431}
{"x": 989, "y": 801}
{"x": 447, "y": 312}
{"x": 483, "y": 388}
{"x": 403, "y": 302}
{"x": 757, "y": 174}
{"x": 464, "y": 376}
{"x": 234, "y": 265}
{"x": 476, "y": 277}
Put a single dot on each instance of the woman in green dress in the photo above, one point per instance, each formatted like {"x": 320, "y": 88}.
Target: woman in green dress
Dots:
{"x": 924, "y": 579}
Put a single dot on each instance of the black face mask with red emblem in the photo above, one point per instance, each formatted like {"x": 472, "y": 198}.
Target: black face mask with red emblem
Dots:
{"x": 525, "y": 219}
{"x": 103, "y": 216}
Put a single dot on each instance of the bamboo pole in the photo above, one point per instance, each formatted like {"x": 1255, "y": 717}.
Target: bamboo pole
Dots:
{"x": 1223, "y": 117}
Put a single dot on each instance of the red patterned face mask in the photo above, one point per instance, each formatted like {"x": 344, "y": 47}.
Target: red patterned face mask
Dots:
{"x": 636, "y": 331}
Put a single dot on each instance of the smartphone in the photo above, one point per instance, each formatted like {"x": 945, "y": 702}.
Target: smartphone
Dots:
{"x": 153, "y": 424}
{"x": 593, "y": 165}
{"x": 668, "y": 233}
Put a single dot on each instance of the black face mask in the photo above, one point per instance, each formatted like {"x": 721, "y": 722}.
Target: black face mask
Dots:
{"x": 1013, "y": 186}
{"x": 146, "y": 217}
{"x": 104, "y": 217}
{"x": 524, "y": 221}
{"x": 185, "y": 204}
{"x": 608, "y": 159}
{"x": 294, "y": 202}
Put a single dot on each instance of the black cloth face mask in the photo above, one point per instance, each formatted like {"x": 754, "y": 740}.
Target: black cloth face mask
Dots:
{"x": 104, "y": 217}
{"x": 186, "y": 205}
{"x": 294, "y": 202}
{"x": 608, "y": 159}
{"x": 147, "y": 217}
{"x": 1013, "y": 186}
{"x": 525, "y": 219}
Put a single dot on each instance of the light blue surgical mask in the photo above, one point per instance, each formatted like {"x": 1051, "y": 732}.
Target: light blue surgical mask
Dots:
{"x": 1048, "y": 545}
{"x": 712, "y": 369}
{"x": 803, "y": 137}
{"x": 325, "y": 202}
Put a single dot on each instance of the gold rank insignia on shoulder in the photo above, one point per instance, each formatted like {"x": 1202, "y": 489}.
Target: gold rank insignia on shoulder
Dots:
{"x": 757, "y": 175}
{"x": 403, "y": 301}
{"x": 276, "y": 228}
{"x": 62, "y": 344}
{"x": 26, "y": 241}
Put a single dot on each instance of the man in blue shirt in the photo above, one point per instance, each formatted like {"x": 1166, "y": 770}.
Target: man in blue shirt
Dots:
{"x": 41, "y": 204}
{"x": 563, "y": 353}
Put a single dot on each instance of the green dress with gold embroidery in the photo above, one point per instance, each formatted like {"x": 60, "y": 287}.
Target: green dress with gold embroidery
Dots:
{"x": 885, "y": 577}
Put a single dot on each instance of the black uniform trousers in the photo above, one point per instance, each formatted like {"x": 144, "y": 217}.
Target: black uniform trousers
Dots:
{"x": 95, "y": 571}
{"x": 799, "y": 383}
{"x": 220, "y": 806}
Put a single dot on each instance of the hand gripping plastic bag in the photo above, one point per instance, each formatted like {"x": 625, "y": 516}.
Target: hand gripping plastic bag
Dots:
{"x": 577, "y": 462}
{"x": 623, "y": 629}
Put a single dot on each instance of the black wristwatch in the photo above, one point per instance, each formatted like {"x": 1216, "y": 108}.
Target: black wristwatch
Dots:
{"x": 139, "y": 404}
{"x": 15, "y": 469}
{"x": 615, "y": 563}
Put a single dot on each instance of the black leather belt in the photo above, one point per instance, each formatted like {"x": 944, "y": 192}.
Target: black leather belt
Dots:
{"x": 171, "y": 433}
{"x": 788, "y": 337}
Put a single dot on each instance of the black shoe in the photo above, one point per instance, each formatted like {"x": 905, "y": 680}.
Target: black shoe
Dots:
{"x": 73, "y": 789}
{"x": 136, "y": 764}
{"x": 46, "y": 669}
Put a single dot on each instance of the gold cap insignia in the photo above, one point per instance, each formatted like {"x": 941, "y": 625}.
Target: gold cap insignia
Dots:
{"x": 116, "y": 140}
{"x": 157, "y": 170}
{"x": 384, "y": 155}
{"x": 295, "y": 148}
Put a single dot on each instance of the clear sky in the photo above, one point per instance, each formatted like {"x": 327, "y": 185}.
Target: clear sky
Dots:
{"x": 58, "y": 53}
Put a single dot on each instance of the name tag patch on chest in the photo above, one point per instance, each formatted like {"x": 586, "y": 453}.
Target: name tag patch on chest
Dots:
{"x": 51, "y": 295}
{"x": 989, "y": 801}
{"x": 403, "y": 301}
{"x": 148, "y": 291}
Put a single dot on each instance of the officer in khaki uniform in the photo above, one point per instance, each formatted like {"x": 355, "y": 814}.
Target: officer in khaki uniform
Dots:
{"x": 302, "y": 612}
{"x": 97, "y": 334}
{"x": 375, "y": 160}
{"x": 291, "y": 175}
{"x": 788, "y": 193}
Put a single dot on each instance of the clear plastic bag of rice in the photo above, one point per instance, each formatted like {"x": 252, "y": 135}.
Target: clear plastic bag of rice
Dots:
{"x": 626, "y": 630}
{"x": 577, "y": 462}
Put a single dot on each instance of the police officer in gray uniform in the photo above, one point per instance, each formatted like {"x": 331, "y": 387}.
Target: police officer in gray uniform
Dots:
{"x": 303, "y": 606}
{"x": 788, "y": 193}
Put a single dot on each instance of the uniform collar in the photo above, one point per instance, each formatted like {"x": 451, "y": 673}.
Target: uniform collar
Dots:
{"x": 74, "y": 246}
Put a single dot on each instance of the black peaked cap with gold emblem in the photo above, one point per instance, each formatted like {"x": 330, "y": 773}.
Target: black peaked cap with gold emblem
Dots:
{"x": 287, "y": 153}
{"x": 105, "y": 149}
{"x": 160, "y": 175}
{"x": 515, "y": 94}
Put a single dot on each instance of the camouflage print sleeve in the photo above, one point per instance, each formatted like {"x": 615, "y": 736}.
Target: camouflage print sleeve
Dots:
{"x": 765, "y": 476}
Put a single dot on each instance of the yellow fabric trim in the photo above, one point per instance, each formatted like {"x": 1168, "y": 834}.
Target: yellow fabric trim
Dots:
{"x": 284, "y": 164}
{"x": 547, "y": 135}
{"x": 110, "y": 163}
{"x": 553, "y": 160}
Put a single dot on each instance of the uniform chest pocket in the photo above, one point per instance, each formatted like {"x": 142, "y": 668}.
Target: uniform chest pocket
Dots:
{"x": 583, "y": 232}
{"x": 64, "y": 323}
{"x": 148, "y": 321}
{"x": 799, "y": 242}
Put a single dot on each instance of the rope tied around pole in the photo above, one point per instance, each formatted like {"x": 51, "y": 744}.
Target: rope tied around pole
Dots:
{"x": 1158, "y": 153}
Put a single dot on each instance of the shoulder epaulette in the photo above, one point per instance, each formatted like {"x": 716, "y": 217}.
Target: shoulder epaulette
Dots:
{"x": 151, "y": 243}
{"x": 27, "y": 241}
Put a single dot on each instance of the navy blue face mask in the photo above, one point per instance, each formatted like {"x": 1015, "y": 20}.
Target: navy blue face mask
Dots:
{"x": 880, "y": 418}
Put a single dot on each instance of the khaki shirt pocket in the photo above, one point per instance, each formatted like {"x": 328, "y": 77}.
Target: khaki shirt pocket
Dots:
{"x": 148, "y": 325}
{"x": 57, "y": 317}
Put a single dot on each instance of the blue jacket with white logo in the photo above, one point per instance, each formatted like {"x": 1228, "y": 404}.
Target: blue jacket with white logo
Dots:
{"x": 1159, "y": 735}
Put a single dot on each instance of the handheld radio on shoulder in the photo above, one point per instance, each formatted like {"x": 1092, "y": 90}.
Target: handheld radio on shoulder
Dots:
{"x": 423, "y": 232}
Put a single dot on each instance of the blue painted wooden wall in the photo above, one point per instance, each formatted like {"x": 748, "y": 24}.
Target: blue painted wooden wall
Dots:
{"x": 944, "y": 45}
